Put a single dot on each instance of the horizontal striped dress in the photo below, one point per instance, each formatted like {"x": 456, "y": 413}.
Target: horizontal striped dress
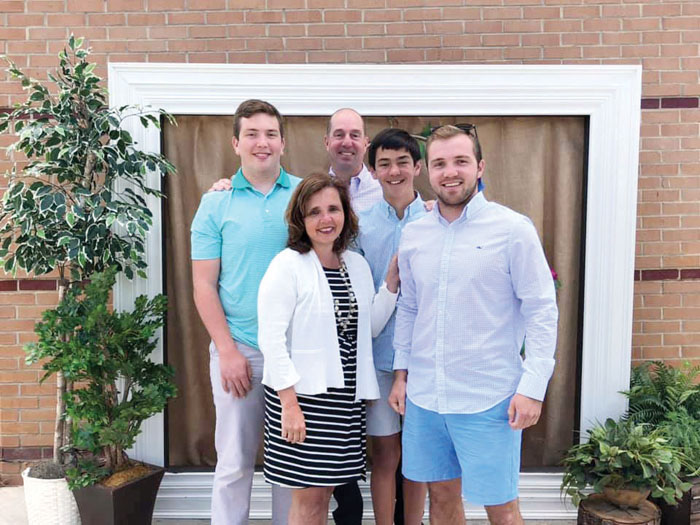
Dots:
{"x": 334, "y": 451}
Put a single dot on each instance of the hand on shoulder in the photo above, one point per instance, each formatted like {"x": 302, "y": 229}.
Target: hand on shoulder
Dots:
{"x": 220, "y": 185}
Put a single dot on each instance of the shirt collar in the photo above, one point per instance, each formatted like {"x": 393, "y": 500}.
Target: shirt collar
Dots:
{"x": 477, "y": 203}
{"x": 416, "y": 206}
{"x": 239, "y": 181}
{"x": 360, "y": 178}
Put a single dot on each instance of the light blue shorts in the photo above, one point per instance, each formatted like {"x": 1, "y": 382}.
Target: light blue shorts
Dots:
{"x": 480, "y": 448}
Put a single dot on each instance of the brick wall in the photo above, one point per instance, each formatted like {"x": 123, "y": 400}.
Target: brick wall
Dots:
{"x": 663, "y": 37}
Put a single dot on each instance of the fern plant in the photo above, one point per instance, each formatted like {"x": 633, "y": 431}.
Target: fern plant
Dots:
{"x": 683, "y": 432}
{"x": 657, "y": 389}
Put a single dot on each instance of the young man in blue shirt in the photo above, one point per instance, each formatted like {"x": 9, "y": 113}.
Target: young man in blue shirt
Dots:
{"x": 474, "y": 283}
{"x": 235, "y": 235}
{"x": 394, "y": 161}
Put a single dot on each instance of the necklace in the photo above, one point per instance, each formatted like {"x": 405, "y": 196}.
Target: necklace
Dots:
{"x": 344, "y": 318}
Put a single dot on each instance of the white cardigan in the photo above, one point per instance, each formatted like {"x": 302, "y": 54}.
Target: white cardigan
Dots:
{"x": 296, "y": 324}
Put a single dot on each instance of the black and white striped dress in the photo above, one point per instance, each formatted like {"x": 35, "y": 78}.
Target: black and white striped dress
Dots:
{"x": 334, "y": 450}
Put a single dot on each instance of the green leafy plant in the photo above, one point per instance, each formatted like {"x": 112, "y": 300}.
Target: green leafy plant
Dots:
{"x": 657, "y": 389}
{"x": 76, "y": 198}
{"x": 683, "y": 432}
{"x": 669, "y": 397}
{"x": 107, "y": 354}
{"x": 623, "y": 454}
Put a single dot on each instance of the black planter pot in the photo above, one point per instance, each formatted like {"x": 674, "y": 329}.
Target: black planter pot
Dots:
{"x": 686, "y": 512}
{"x": 129, "y": 504}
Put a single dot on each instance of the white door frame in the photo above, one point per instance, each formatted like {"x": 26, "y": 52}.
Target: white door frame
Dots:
{"x": 610, "y": 95}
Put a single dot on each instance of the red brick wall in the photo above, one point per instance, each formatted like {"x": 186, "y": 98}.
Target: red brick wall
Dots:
{"x": 661, "y": 36}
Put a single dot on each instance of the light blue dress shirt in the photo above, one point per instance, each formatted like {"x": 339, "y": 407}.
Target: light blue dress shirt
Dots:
{"x": 380, "y": 231}
{"x": 245, "y": 229}
{"x": 471, "y": 290}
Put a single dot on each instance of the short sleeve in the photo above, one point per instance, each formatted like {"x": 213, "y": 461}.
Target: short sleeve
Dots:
{"x": 205, "y": 233}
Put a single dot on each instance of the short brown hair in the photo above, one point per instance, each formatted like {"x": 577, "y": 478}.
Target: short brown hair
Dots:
{"x": 251, "y": 107}
{"x": 298, "y": 239}
{"x": 447, "y": 132}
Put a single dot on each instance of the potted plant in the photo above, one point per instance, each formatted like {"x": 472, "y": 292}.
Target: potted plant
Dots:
{"x": 75, "y": 202}
{"x": 620, "y": 458}
{"x": 107, "y": 353}
{"x": 668, "y": 397}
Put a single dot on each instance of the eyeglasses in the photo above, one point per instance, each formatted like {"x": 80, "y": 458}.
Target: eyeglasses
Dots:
{"x": 469, "y": 129}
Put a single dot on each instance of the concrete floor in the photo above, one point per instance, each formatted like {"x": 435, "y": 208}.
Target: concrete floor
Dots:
{"x": 12, "y": 512}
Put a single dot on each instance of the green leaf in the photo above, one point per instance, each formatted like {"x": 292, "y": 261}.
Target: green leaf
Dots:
{"x": 46, "y": 203}
{"x": 70, "y": 219}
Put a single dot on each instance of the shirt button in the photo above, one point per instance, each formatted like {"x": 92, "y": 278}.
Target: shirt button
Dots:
{"x": 267, "y": 211}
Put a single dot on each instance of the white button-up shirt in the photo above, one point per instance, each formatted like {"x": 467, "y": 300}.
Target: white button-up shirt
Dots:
{"x": 471, "y": 291}
{"x": 365, "y": 191}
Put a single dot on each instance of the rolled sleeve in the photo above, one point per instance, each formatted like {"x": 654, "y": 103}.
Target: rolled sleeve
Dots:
{"x": 276, "y": 302}
{"x": 534, "y": 286}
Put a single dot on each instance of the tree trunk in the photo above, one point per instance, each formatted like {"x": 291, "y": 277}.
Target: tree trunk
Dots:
{"x": 596, "y": 510}
{"x": 60, "y": 427}
{"x": 60, "y": 433}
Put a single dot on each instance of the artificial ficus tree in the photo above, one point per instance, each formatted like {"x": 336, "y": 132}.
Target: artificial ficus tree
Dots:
{"x": 107, "y": 352}
{"x": 76, "y": 201}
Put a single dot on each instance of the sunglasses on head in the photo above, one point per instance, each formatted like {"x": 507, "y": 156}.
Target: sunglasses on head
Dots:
{"x": 469, "y": 129}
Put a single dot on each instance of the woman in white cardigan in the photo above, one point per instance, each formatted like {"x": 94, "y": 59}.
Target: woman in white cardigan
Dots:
{"x": 317, "y": 312}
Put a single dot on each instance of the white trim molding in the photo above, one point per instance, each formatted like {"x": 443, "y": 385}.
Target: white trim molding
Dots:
{"x": 609, "y": 95}
{"x": 188, "y": 496}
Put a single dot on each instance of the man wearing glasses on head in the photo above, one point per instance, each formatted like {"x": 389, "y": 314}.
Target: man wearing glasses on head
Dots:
{"x": 474, "y": 284}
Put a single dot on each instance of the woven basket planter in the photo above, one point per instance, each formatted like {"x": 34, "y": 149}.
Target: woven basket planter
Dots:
{"x": 49, "y": 501}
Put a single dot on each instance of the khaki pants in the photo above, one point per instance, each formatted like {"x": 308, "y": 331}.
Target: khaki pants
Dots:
{"x": 239, "y": 425}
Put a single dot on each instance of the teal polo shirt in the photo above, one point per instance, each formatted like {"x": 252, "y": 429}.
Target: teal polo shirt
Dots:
{"x": 245, "y": 229}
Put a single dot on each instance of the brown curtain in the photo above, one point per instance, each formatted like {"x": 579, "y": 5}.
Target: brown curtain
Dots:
{"x": 534, "y": 165}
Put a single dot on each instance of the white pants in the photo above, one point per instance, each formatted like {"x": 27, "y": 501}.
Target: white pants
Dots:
{"x": 239, "y": 425}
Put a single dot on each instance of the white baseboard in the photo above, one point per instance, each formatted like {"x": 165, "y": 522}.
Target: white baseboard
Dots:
{"x": 188, "y": 496}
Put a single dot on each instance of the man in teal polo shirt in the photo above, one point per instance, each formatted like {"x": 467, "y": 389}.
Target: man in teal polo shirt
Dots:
{"x": 235, "y": 235}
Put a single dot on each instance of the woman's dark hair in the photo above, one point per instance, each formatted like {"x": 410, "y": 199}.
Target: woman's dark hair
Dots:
{"x": 298, "y": 240}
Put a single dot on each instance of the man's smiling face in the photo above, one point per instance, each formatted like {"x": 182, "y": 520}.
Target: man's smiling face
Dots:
{"x": 346, "y": 142}
{"x": 259, "y": 144}
{"x": 453, "y": 170}
{"x": 395, "y": 171}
